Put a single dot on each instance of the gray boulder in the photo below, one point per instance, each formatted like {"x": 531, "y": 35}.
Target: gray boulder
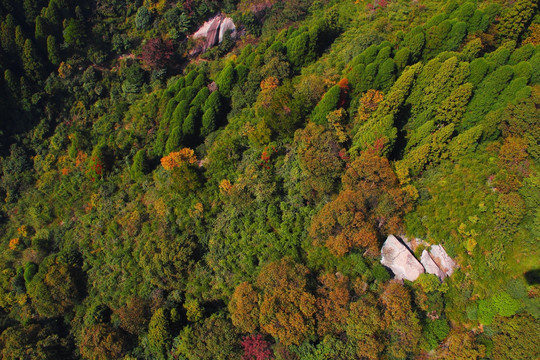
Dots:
{"x": 397, "y": 257}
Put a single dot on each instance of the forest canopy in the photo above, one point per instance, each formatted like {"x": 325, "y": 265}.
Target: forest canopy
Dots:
{"x": 161, "y": 200}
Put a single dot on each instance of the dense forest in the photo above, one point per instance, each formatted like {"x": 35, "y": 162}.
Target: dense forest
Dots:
{"x": 163, "y": 202}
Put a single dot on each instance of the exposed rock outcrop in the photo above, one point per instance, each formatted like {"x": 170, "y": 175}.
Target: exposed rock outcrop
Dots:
{"x": 397, "y": 257}
{"x": 441, "y": 258}
{"x": 430, "y": 266}
{"x": 214, "y": 30}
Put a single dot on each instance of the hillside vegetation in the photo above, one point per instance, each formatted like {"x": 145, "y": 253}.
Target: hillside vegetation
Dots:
{"x": 157, "y": 204}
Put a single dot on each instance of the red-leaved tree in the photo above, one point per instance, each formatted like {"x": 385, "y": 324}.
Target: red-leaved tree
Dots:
{"x": 157, "y": 53}
{"x": 256, "y": 348}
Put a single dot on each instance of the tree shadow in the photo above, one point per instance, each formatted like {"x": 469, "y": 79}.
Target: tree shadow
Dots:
{"x": 532, "y": 277}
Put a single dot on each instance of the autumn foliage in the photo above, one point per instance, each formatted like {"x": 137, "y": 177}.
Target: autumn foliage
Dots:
{"x": 371, "y": 203}
{"x": 244, "y": 307}
{"x": 256, "y": 348}
{"x": 157, "y": 52}
{"x": 179, "y": 158}
{"x": 287, "y": 309}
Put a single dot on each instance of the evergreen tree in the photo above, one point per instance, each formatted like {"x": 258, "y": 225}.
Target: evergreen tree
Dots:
{"x": 159, "y": 336}
{"x": 328, "y": 103}
{"x": 226, "y": 80}
{"x": 32, "y": 66}
{"x": 139, "y": 166}
{"x": 52, "y": 50}
{"x": 515, "y": 20}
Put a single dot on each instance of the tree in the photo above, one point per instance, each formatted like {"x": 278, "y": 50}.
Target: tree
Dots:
{"x": 167, "y": 268}
{"x": 518, "y": 121}
{"x": 226, "y": 79}
{"x": 371, "y": 203}
{"x": 343, "y": 224}
{"x": 209, "y": 121}
{"x": 101, "y": 342}
{"x": 134, "y": 316}
{"x": 214, "y": 338}
{"x": 139, "y": 166}
{"x": 452, "y": 109}
{"x": 399, "y": 320}
{"x": 460, "y": 345}
{"x": 332, "y": 304}
{"x": 256, "y": 348}
{"x": 516, "y": 338}
{"x": 52, "y": 50}
{"x": 40, "y": 29}
{"x": 380, "y": 126}
{"x": 174, "y": 140}
{"x": 328, "y": 103}
{"x": 95, "y": 168}
{"x": 159, "y": 335}
{"x": 298, "y": 50}
{"x": 385, "y": 75}
{"x": 57, "y": 286}
{"x": 244, "y": 308}
{"x": 319, "y": 154}
{"x": 515, "y": 20}
{"x": 33, "y": 341}
{"x": 364, "y": 324}
{"x": 31, "y": 63}
{"x": 143, "y": 19}
{"x": 74, "y": 34}
{"x": 402, "y": 57}
{"x": 191, "y": 125}
{"x": 286, "y": 309}
{"x": 157, "y": 53}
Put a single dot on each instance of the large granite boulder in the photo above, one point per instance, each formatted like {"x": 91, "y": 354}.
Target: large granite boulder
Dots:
{"x": 441, "y": 258}
{"x": 397, "y": 257}
{"x": 430, "y": 266}
{"x": 226, "y": 25}
{"x": 214, "y": 30}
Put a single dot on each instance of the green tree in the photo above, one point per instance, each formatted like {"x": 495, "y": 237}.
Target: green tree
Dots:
{"x": 40, "y": 32}
{"x": 226, "y": 79}
{"x": 319, "y": 154}
{"x": 139, "y": 166}
{"x": 31, "y": 63}
{"x": 74, "y": 34}
{"x": 143, "y": 19}
{"x": 209, "y": 122}
{"x": 385, "y": 75}
{"x": 328, "y": 103}
{"x": 159, "y": 334}
{"x": 52, "y": 50}
{"x": 213, "y": 338}
{"x": 515, "y": 20}
{"x": 174, "y": 140}
{"x": 57, "y": 286}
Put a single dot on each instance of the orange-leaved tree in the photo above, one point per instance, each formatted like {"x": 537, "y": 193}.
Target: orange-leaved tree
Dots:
{"x": 182, "y": 166}
{"x": 332, "y": 304}
{"x": 244, "y": 308}
{"x": 371, "y": 204}
{"x": 287, "y": 309}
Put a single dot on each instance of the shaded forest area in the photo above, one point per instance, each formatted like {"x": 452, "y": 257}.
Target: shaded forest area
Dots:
{"x": 156, "y": 205}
